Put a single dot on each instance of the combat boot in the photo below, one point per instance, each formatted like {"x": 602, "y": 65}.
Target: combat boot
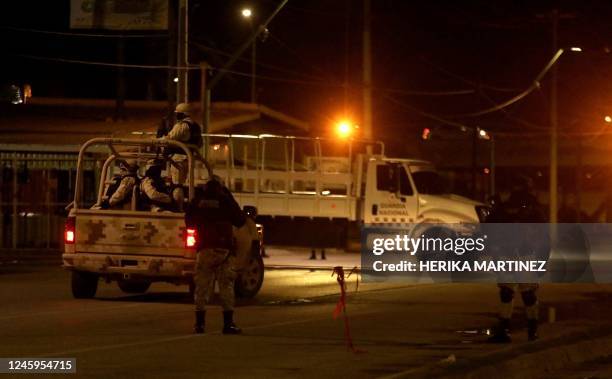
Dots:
{"x": 228, "y": 323}
{"x": 501, "y": 334}
{"x": 532, "y": 330}
{"x": 200, "y": 316}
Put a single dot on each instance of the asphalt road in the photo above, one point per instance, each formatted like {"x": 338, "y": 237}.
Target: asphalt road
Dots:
{"x": 289, "y": 330}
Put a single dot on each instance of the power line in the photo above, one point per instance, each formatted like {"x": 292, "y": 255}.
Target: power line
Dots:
{"x": 470, "y": 82}
{"x": 426, "y": 93}
{"x": 73, "y": 34}
{"x": 427, "y": 114}
{"x": 259, "y": 63}
{"x": 534, "y": 85}
{"x": 106, "y": 64}
{"x": 315, "y": 83}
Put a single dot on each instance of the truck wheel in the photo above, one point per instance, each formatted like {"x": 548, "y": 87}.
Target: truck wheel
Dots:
{"x": 131, "y": 286}
{"x": 84, "y": 284}
{"x": 250, "y": 279}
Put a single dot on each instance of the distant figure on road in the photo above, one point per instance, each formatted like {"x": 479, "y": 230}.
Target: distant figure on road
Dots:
{"x": 213, "y": 213}
{"x": 521, "y": 207}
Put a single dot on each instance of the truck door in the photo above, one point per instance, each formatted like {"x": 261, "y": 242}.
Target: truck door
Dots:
{"x": 390, "y": 195}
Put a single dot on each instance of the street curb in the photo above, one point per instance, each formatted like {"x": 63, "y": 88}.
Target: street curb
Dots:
{"x": 524, "y": 360}
{"x": 298, "y": 267}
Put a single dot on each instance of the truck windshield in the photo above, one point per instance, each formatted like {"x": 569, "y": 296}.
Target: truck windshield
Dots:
{"x": 429, "y": 183}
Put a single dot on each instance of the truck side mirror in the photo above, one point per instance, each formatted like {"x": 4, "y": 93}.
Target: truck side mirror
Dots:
{"x": 250, "y": 211}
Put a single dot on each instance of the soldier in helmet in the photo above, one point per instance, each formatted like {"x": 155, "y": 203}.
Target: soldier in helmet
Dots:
{"x": 189, "y": 132}
{"x": 521, "y": 207}
{"x": 185, "y": 129}
{"x": 213, "y": 213}
{"x": 119, "y": 194}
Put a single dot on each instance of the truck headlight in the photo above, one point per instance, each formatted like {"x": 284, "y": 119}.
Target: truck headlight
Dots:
{"x": 482, "y": 211}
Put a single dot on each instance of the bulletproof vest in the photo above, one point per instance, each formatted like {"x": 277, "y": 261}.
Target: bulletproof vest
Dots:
{"x": 214, "y": 226}
{"x": 112, "y": 188}
{"x": 195, "y": 133}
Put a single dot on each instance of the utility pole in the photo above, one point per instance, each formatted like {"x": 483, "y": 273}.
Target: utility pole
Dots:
{"x": 475, "y": 132}
{"x": 347, "y": 12}
{"x": 171, "y": 86}
{"x": 120, "y": 99}
{"x": 183, "y": 52}
{"x": 492, "y": 173}
{"x": 367, "y": 71}
{"x": 254, "y": 72}
{"x": 204, "y": 103}
{"x": 553, "y": 185}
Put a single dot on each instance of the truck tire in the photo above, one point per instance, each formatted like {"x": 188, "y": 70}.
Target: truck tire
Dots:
{"x": 84, "y": 284}
{"x": 251, "y": 278}
{"x": 131, "y": 286}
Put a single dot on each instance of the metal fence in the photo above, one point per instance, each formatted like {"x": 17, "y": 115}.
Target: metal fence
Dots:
{"x": 34, "y": 192}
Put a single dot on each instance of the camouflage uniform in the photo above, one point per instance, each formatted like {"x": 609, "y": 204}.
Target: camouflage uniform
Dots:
{"x": 124, "y": 192}
{"x": 154, "y": 190}
{"x": 158, "y": 199}
{"x": 521, "y": 207}
{"x": 213, "y": 212}
{"x": 211, "y": 264}
{"x": 187, "y": 131}
{"x": 119, "y": 193}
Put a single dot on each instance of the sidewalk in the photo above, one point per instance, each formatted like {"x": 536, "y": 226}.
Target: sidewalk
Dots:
{"x": 11, "y": 257}
{"x": 299, "y": 258}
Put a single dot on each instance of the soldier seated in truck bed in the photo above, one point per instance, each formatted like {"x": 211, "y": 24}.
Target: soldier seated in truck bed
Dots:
{"x": 155, "y": 194}
{"x": 119, "y": 193}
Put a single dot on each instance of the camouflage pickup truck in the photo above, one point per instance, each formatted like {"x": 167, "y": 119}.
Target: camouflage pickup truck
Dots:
{"x": 135, "y": 246}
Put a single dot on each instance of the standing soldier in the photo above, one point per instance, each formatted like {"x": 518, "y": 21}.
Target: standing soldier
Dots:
{"x": 189, "y": 132}
{"x": 213, "y": 213}
{"x": 185, "y": 130}
{"x": 521, "y": 207}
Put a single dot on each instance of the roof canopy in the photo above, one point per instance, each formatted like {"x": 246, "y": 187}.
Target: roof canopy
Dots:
{"x": 64, "y": 121}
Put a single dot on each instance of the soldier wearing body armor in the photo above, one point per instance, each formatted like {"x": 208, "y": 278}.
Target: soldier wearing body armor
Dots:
{"x": 189, "y": 132}
{"x": 520, "y": 207}
{"x": 119, "y": 193}
{"x": 154, "y": 192}
{"x": 213, "y": 213}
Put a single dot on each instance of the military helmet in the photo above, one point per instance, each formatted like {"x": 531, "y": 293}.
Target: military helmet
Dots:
{"x": 184, "y": 108}
{"x": 129, "y": 165}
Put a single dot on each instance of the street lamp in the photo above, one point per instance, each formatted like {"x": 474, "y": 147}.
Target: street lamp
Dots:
{"x": 247, "y": 14}
{"x": 344, "y": 129}
{"x": 608, "y": 119}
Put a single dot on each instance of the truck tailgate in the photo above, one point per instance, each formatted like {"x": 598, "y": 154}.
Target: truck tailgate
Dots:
{"x": 129, "y": 232}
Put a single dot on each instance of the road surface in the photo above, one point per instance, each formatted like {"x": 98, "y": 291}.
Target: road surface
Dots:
{"x": 289, "y": 330}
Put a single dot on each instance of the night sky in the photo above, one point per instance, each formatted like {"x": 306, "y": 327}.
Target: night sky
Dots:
{"x": 441, "y": 58}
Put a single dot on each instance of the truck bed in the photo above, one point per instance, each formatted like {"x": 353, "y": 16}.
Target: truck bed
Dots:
{"x": 129, "y": 232}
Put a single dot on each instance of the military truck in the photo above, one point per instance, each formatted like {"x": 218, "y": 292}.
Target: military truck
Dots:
{"x": 135, "y": 246}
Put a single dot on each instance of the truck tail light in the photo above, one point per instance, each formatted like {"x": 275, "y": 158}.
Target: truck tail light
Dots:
{"x": 191, "y": 237}
{"x": 69, "y": 230}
